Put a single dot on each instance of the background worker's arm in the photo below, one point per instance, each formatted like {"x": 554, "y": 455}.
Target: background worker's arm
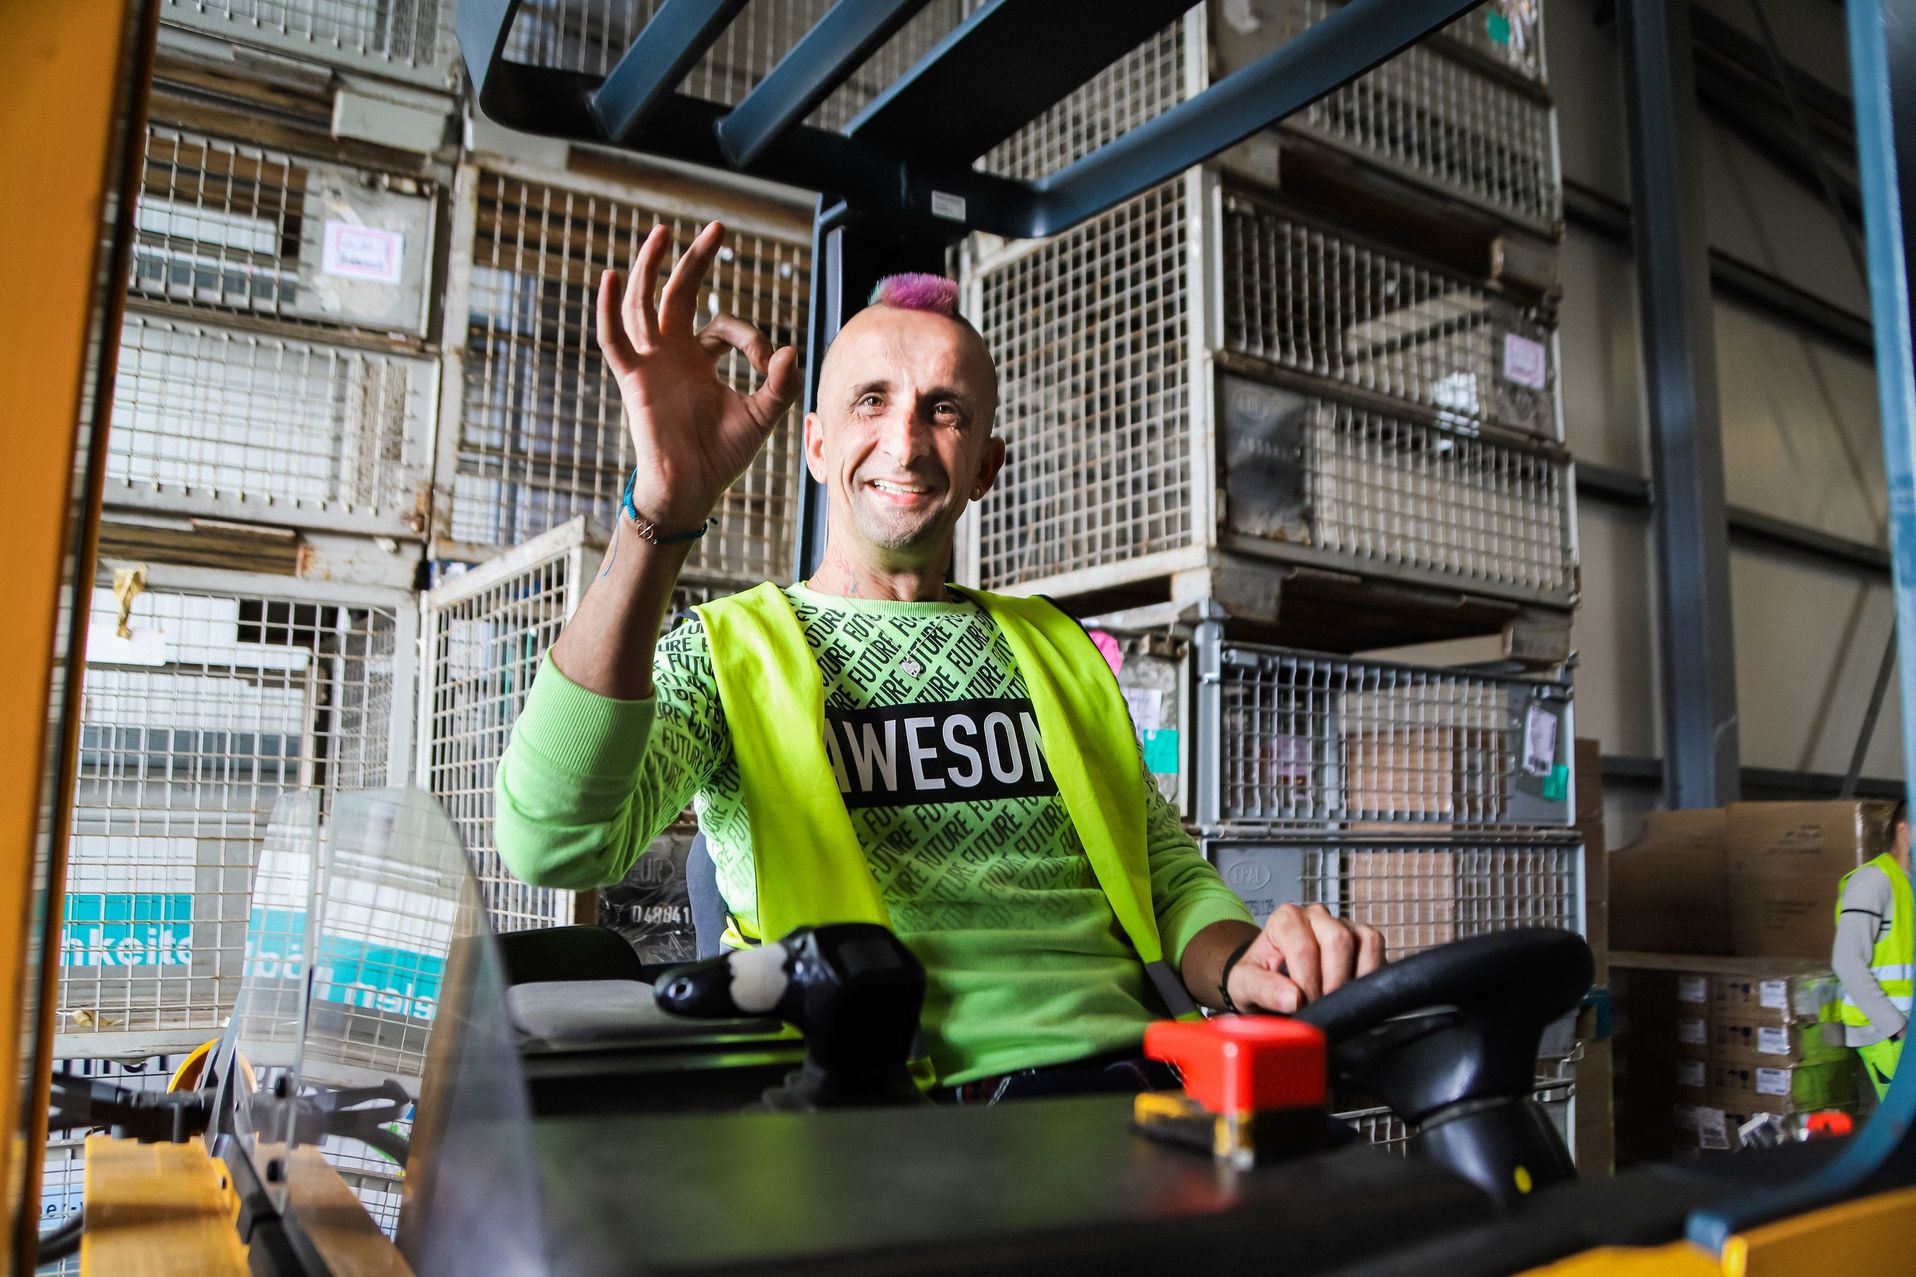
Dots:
{"x": 1298, "y": 955}
{"x": 1865, "y": 908}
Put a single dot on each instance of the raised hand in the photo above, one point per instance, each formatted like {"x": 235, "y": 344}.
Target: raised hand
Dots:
{"x": 692, "y": 434}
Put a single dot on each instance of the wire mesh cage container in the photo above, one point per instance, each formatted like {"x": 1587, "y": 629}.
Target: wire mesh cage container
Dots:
{"x": 1335, "y": 405}
{"x": 1291, "y": 739}
{"x": 209, "y": 694}
{"x": 230, "y": 228}
{"x": 1419, "y": 892}
{"x": 1555, "y": 1091}
{"x": 407, "y": 40}
{"x": 485, "y": 633}
{"x": 272, "y": 365}
{"x": 535, "y": 434}
{"x": 1463, "y": 113}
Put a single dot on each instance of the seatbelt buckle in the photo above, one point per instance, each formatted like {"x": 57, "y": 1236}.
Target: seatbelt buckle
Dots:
{"x": 1256, "y": 1088}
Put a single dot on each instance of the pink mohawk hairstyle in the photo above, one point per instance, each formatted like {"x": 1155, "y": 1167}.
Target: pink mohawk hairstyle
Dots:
{"x": 916, "y": 291}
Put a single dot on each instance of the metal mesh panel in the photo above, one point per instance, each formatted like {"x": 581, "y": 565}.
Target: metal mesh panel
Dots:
{"x": 1310, "y": 739}
{"x": 218, "y": 702}
{"x": 542, "y": 435}
{"x": 230, "y": 227}
{"x": 1418, "y": 893}
{"x": 1382, "y": 1128}
{"x": 1090, "y": 335}
{"x": 410, "y": 38}
{"x": 482, "y": 652}
{"x": 1384, "y": 490}
{"x": 276, "y": 423}
{"x": 485, "y": 635}
{"x": 1508, "y": 32}
{"x": 590, "y": 36}
{"x": 217, "y": 224}
{"x": 62, "y": 1189}
{"x": 1317, "y": 302}
{"x": 1437, "y": 119}
{"x": 1137, "y": 87}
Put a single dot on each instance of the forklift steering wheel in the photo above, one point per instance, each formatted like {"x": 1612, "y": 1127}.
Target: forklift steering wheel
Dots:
{"x": 1449, "y": 1038}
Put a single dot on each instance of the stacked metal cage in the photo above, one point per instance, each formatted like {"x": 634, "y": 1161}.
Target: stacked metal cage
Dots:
{"x": 273, "y": 363}
{"x": 253, "y": 632}
{"x": 1218, "y": 367}
{"x": 1235, "y": 382}
{"x": 208, "y": 694}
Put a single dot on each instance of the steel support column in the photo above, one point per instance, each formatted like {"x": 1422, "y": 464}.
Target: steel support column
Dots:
{"x": 849, "y": 256}
{"x": 1679, "y": 357}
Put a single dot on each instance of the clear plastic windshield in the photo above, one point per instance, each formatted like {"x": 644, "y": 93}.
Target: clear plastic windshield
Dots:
{"x": 370, "y": 1030}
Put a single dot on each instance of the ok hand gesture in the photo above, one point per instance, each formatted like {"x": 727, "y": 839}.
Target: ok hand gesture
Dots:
{"x": 692, "y": 434}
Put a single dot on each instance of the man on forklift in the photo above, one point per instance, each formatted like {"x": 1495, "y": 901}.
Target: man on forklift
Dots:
{"x": 876, "y": 744}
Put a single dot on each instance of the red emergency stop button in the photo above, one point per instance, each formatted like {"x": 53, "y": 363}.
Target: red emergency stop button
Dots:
{"x": 1244, "y": 1063}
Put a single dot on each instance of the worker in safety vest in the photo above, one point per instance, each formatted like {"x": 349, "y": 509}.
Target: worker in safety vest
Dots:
{"x": 876, "y": 744}
{"x": 1874, "y": 952}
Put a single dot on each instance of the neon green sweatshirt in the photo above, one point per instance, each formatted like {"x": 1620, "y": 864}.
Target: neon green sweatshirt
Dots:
{"x": 937, "y": 753}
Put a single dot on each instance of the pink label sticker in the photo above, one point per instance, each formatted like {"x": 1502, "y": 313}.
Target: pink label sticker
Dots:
{"x": 1113, "y": 656}
{"x": 363, "y": 252}
{"x": 1526, "y": 362}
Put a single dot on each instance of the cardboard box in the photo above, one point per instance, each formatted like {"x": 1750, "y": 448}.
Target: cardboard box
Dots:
{"x": 1783, "y": 915}
{"x": 1784, "y": 992}
{"x": 1595, "y": 1143}
{"x": 1588, "y": 782}
{"x": 1774, "y": 1045}
{"x": 1411, "y": 896}
{"x": 1661, "y": 887}
{"x": 1826, "y": 838}
{"x": 1755, "y": 1088}
{"x": 1393, "y": 778}
{"x": 1784, "y": 865}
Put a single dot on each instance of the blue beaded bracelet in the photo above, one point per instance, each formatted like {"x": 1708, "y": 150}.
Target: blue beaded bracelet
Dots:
{"x": 647, "y": 530}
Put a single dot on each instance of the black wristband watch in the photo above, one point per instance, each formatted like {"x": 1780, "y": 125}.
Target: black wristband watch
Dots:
{"x": 1224, "y": 975}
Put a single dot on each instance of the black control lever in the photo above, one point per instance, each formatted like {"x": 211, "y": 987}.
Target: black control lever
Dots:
{"x": 852, "y": 988}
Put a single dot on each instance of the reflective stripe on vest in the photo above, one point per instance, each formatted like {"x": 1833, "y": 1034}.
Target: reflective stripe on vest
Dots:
{"x": 1893, "y": 961}
{"x": 773, "y": 697}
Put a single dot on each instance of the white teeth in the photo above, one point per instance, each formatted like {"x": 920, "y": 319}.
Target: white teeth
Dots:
{"x": 882, "y": 486}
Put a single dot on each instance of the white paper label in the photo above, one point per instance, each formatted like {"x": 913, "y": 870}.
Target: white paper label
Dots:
{"x": 142, "y": 647}
{"x": 1524, "y": 361}
{"x": 363, "y": 252}
{"x": 1772, "y": 1081}
{"x": 1774, "y": 994}
{"x": 1692, "y": 1032}
{"x": 1540, "y": 741}
{"x": 1145, "y": 704}
{"x": 1773, "y": 1041}
{"x": 1693, "y": 988}
{"x": 1710, "y": 1131}
{"x": 946, "y": 205}
{"x": 1690, "y": 1073}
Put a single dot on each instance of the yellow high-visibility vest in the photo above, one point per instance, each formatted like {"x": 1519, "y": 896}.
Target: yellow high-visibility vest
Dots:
{"x": 1895, "y": 953}
{"x": 805, "y": 854}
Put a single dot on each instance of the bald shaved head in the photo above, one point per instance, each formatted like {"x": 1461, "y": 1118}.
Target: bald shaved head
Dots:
{"x": 901, "y": 437}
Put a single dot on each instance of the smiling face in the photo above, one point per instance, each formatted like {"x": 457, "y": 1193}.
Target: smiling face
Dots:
{"x": 902, "y": 436}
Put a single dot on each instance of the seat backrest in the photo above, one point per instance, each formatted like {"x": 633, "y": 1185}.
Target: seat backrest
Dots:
{"x": 585, "y": 952}
{"x": 708, "y": 906}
